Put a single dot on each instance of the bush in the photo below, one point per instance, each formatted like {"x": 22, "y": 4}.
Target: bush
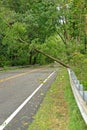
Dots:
{"x": 4, "y": 61}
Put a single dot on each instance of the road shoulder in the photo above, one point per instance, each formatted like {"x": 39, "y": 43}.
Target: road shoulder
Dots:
{"x": 53, "y": 113}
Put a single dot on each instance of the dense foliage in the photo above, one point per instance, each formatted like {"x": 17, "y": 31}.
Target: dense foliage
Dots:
{"x": 23, "y": 23}
{"x": 57, "y": 27}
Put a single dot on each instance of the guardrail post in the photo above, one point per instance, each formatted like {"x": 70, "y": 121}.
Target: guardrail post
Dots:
{"x": 80, "y": 87}
{"x": 77, "y": 84}
{"x": 85, "y": 96}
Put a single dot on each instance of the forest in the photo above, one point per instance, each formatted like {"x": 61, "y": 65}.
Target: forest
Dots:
{"x": 56, "y": 27}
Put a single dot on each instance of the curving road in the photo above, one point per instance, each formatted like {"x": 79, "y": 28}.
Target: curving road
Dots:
{"x": 21, "y": 92}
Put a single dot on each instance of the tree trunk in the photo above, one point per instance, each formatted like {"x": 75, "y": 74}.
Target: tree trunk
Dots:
{"x": 30, "y": 58}
{"x": 52, "y": 58}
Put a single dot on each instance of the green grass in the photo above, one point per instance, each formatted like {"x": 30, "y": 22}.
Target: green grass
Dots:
{"x": 59, "y": 110}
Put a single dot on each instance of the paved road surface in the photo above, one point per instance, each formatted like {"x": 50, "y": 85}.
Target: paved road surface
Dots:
{"x": 16, "y": 87}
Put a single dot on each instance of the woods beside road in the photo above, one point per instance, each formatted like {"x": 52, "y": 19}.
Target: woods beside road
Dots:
{"x": 28, "y": 25}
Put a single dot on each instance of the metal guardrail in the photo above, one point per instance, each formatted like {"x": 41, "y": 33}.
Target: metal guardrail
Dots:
{"x": 79, "y": 94}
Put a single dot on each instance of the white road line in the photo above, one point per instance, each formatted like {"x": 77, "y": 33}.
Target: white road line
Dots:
{"x": 7, "y": 121}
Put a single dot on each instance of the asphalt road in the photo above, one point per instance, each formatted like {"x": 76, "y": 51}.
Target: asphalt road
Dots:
{"x": 21, "y": 93}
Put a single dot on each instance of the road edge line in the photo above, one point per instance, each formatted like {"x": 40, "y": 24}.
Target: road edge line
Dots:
{"x": 8, "y": 120}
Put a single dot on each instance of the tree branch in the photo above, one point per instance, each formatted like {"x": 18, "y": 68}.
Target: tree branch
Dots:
{"x": 39, "y": 51}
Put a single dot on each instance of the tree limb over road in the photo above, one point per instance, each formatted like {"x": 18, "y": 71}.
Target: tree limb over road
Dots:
{"x": 39, "y": 51}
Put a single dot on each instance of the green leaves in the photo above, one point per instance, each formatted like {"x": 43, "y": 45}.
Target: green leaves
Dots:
{"x": 28, "y": 24}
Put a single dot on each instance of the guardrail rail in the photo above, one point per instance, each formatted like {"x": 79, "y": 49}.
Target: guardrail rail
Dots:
{"x": 79, "y": 94}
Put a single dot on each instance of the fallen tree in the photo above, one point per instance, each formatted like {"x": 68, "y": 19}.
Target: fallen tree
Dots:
{"x": 39, "y": 51}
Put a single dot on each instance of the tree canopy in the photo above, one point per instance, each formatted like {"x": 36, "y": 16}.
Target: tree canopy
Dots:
{"x": 54, "y": 26}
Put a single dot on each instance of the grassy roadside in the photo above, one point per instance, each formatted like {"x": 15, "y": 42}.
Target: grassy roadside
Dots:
{"x": 59, "y": 110}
